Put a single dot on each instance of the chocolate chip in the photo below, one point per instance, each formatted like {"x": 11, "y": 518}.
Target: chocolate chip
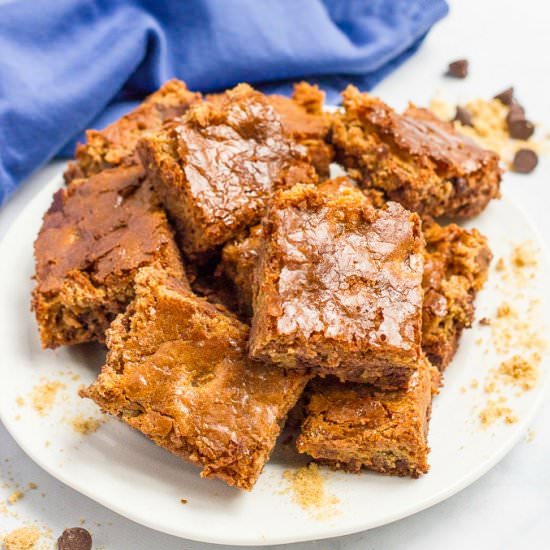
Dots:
{"x": 520, "y": 128}
{"x": 458, "y": 68}
{"x": 525, "y": 161}
{"x": 75, "y": 538}
{"x": 515, "y": 110}
{"x": 460, "y": 185}
{"x": 463, "y": 116}
{"x": 506, "y": 97}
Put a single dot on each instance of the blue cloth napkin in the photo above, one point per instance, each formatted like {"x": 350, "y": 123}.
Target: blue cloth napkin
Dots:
{"x": 67, "y": 65}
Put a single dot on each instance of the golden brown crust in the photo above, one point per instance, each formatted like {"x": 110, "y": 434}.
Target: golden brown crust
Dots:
{"x": 456, "y": 264}
{"x": 115, "y": 144}
{"x": 93, "y": 239}
{"x": 338, "y": 286}
{"x": 177, "y": 371}
{"x": 414, "y": 158}
{"x": 354, "y": 426}
{"x": 455, "y": 268}
{"x": 215, "y": 168}
{"x": 305, "y": 120}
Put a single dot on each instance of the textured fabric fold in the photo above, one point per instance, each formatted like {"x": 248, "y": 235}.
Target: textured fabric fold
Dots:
{"x": 66, "y": 65}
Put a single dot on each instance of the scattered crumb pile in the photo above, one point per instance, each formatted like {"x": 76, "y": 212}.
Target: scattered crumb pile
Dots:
{"x": 43, "y": 396}
{"x": 24, "y": 538}
{"x": 487, "y": 122}
{"x": 86, "y": 425}
{"x": 515, "y": 335}
{"x": 307, "y": 486}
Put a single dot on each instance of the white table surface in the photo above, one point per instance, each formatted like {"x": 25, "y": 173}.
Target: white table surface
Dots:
{"x": 507, "y": 42}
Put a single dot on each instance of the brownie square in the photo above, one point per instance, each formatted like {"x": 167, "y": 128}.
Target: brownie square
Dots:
{"x": 354, "y": 426}
{"x": 456, "y": 265}
{"x": 177, "y": 370}
{"x": 338, "y": 287}
{"x": 414, "y": 158}
{"x": 216, "y": 167}
{"x": 97, "y": 233}
{"x": 305, "y": 120}
{"x": 115, "y": 144}
{"x": 240, "y": 255}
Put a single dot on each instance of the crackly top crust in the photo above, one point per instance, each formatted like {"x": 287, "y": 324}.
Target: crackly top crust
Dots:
{"x": 115, "y": 144}
{"x": 177, "y": 370}
{"x": 334, "y": 269}
{"x": 215, "y": 167}
{"x": 107, "y": 226}
{"x": 240, "y": 255}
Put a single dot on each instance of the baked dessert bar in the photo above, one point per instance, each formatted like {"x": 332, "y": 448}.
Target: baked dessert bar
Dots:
{"x": 455, "y": 268}
{"x": 239, "y": 256}
{"x": 354, "y": 426}
{"x": 215, "y": 168}
{"x": 338, "y": 287}
{"x": 94, "y": 237}
{"x": 306, "y": 121}
{"x": 177, "y": 370}
{"x": 414, "y": 158}
{"x": 115, "y": 144}
{"x": 456, "y": 263}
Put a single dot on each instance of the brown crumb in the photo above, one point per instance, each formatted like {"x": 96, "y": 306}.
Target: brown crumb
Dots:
{"x": 84, "y": 425}
{"x": 495, "y": 411}
{"x": 519, "y": 372}
{"x": 500, "y": 265}
{"x": 504, "y": 310}
{"x": 524, "y": 255}
{"x": 474, "y": 383}
{"x": 15, "y": 497}
{"x": 183, "y": 500}
{"x": 307, "y": 486}
{"x": 485, "y": 321}
{"x": 24, "y": 538}
{"x": 43, "y": 396}
{"x": 31, "y": 485}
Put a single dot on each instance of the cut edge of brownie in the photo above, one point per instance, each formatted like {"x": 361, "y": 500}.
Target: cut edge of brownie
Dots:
{"x": 353, "y": 426}
{"x": 456, "y": 267}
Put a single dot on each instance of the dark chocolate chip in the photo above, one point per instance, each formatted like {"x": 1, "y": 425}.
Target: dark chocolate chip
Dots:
{"x": 463, "y": 116}
{"x": 520, "y": 128}
{"x": 515, "y": 110}
{"x": 460, "y": 185}
{"x": 75, "y": 538}
{"x": 458, "y": 68}
{"x": 506, "y": 97}
{"x": 525, "y": 161}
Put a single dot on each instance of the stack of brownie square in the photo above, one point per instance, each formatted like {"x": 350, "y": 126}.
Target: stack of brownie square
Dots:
{"x": 232, "y": 280}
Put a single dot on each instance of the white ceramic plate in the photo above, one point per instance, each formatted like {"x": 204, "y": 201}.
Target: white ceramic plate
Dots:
{"x": 125, "y": 472}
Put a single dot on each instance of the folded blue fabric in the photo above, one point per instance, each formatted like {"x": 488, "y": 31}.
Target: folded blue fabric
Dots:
{"x": 67, "y": 65}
